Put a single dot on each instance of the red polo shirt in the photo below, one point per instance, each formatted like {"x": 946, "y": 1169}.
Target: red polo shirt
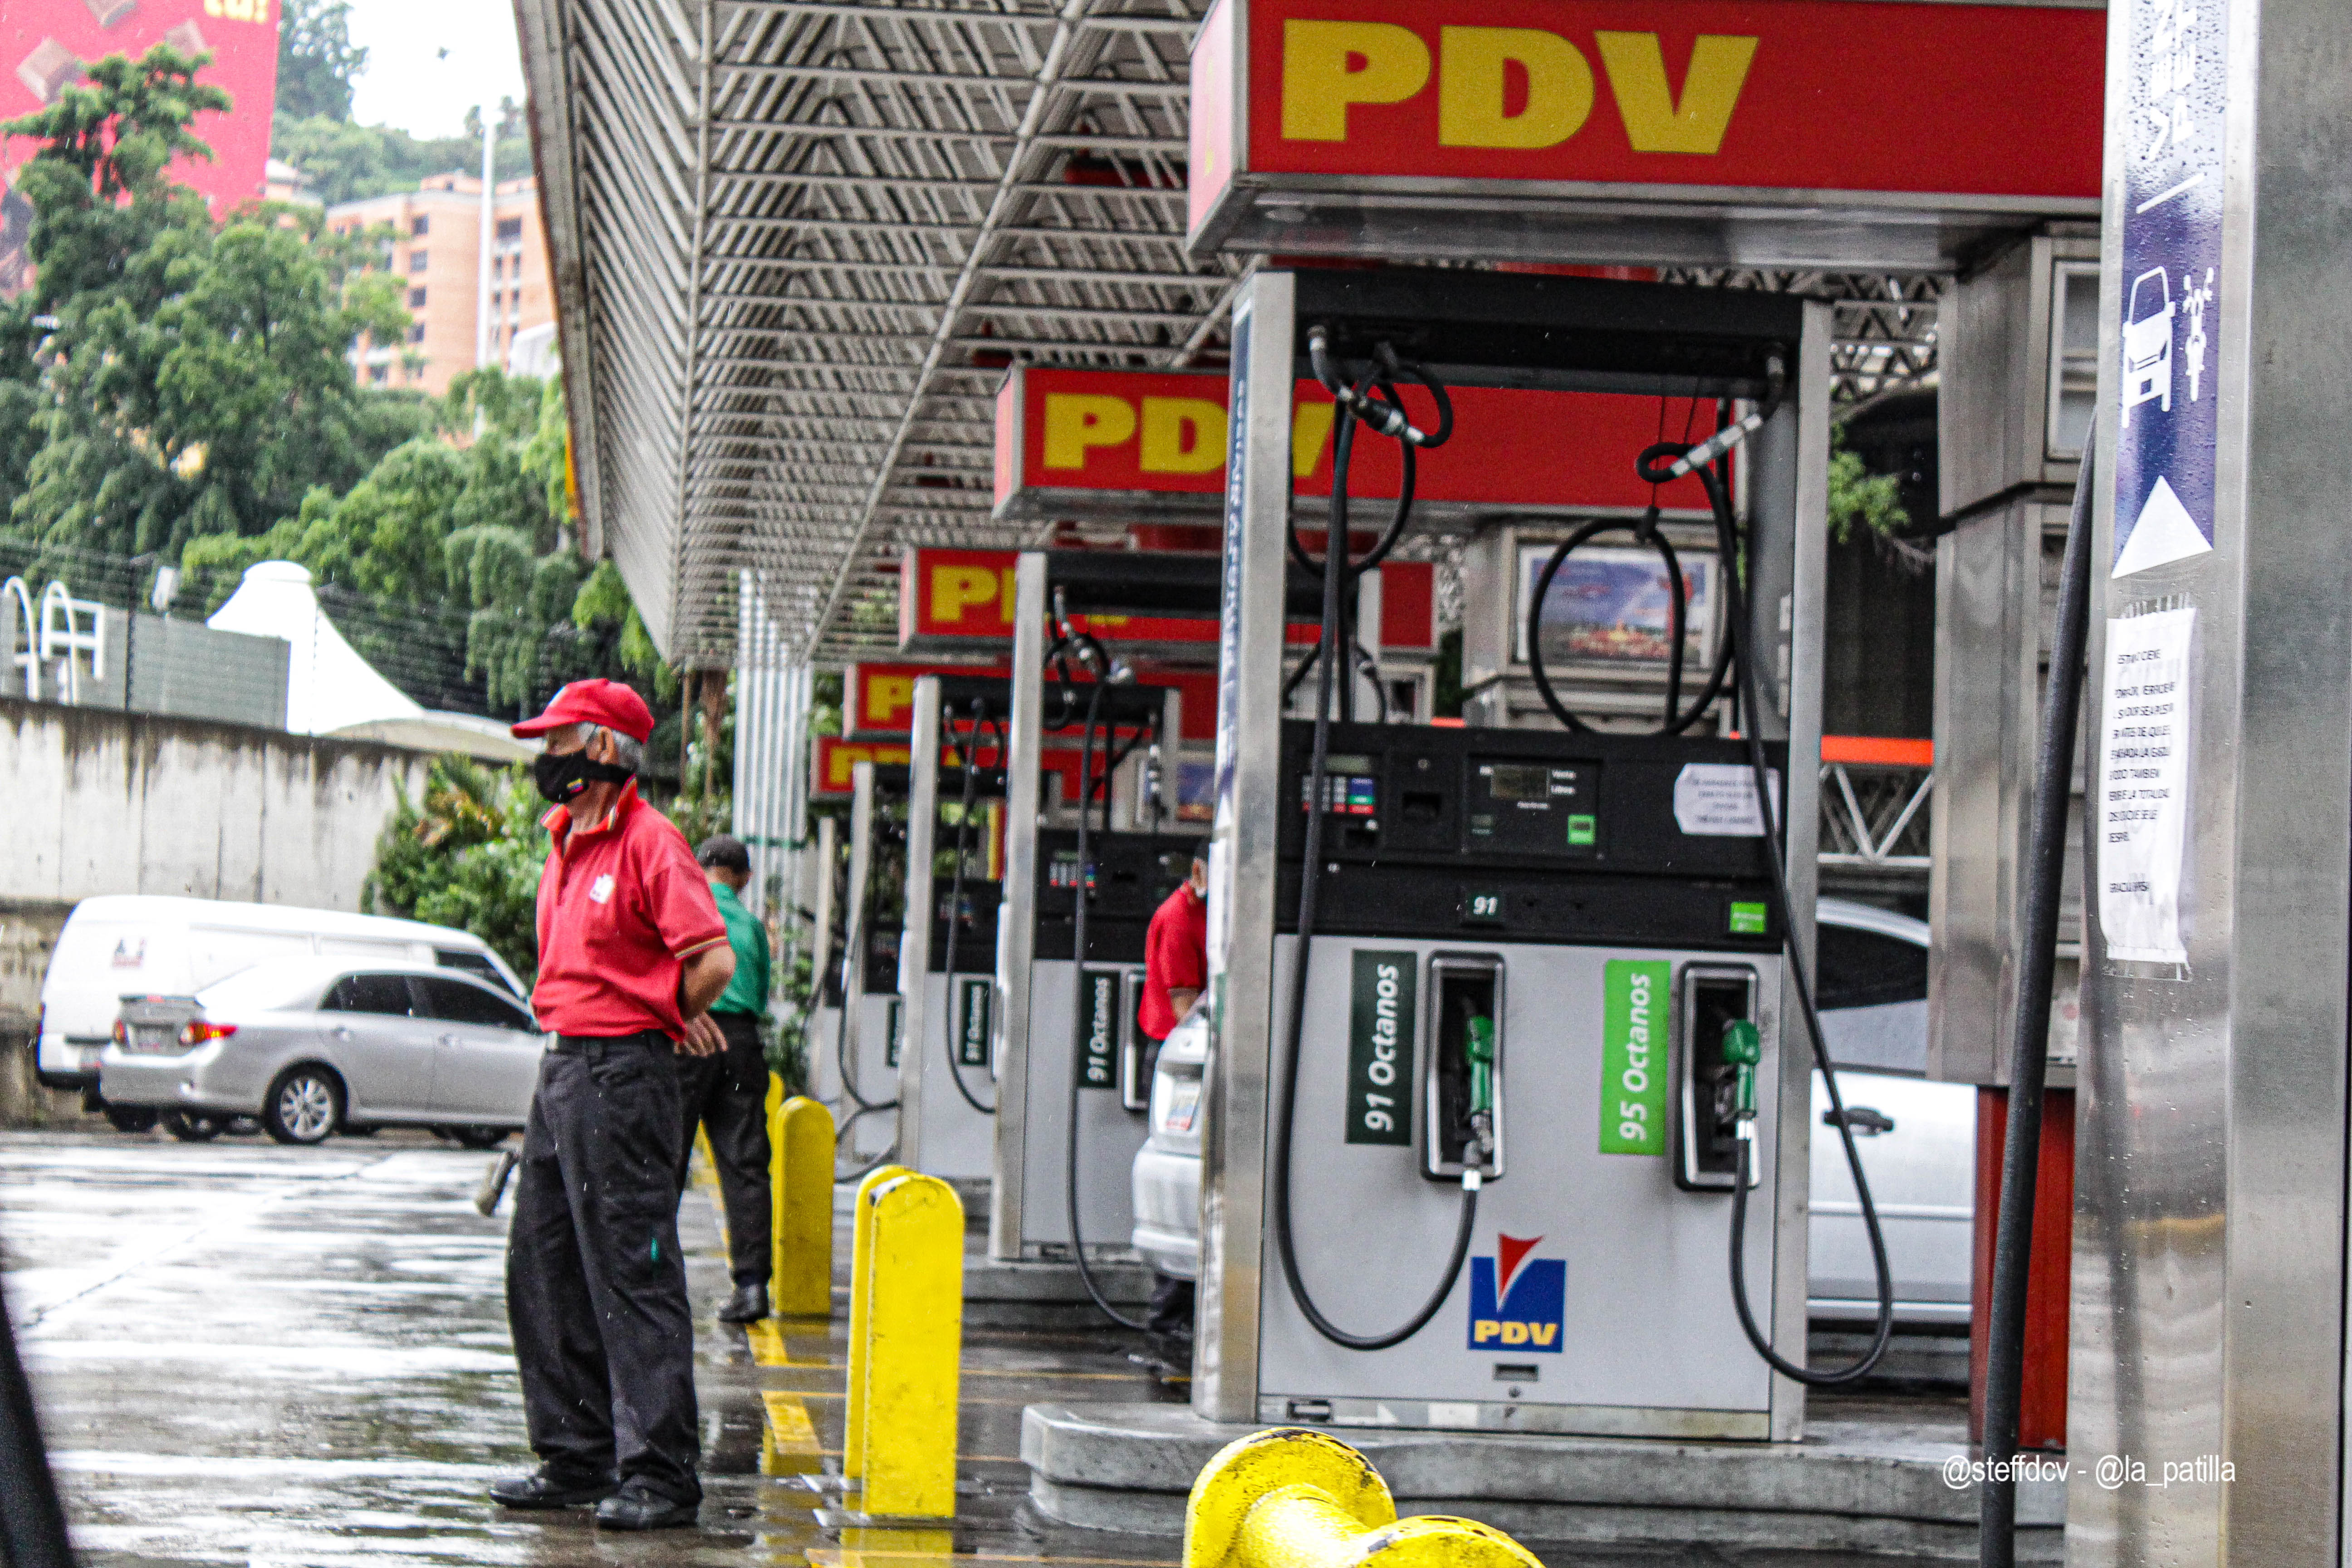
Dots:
{"x": 1175, "y": 953}
{"x": 621, "y": 904}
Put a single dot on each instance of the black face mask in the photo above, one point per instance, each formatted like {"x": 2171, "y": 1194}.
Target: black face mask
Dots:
{"x": 560, "y": 776}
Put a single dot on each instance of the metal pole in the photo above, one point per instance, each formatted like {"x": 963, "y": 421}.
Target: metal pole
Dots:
{"x": 482, "y": 330}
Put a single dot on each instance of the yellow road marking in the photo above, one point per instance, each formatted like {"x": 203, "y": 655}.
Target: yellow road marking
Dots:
{"x": 789, "y": 1445}
{"x": 769, "y": 1349}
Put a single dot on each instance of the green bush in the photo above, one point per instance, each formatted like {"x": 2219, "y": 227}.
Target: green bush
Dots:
{"x": 468, "y": 856}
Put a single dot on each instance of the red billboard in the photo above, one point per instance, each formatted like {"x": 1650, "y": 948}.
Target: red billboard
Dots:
{"x": 47, "y": 44}
{"x": 1118, "y": 443}
{"x": 1713, "y": 100}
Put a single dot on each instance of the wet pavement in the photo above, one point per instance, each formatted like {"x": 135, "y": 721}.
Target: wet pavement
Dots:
{"x": 254, "y": 1354}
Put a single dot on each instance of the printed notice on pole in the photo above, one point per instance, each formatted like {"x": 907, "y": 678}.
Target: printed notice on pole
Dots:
{"x": 2143, "y": 808}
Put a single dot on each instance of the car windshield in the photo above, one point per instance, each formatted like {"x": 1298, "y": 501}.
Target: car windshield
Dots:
{"x": 265, "y": 987}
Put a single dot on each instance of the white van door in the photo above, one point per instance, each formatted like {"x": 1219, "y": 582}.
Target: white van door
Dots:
{"x": 216, "y": 952}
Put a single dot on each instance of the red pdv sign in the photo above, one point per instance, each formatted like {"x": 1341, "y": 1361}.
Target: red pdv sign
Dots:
{"x": 1128, "y": 445}
{"x": 1708, "y": 105}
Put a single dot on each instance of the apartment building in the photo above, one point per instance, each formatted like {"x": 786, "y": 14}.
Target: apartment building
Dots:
{"x": 436, "y": 248}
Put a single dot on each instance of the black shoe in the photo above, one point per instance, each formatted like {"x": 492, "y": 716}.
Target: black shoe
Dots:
{"x": 541, "y": 1490}
{"x": 637, "y": 1506}
{"x": 748, "y": 1305}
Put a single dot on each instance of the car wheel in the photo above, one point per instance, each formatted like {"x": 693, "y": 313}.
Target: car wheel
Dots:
{"x": 130, "y": 1117}
{"x": 479, "y": 1137}
{"x": 194, "y": 1127}
{"x": 303, "y": 1106}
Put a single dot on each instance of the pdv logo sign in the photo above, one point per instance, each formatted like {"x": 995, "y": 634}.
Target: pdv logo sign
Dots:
{"x": 1516, "y": 1303}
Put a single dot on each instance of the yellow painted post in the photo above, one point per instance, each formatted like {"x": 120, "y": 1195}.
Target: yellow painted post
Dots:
{"x": 861, "y": 1300}
{"x": 1292, "y": 1499}
{"x": 909, "y": 1377}
{"x": 800, "y": 1138}
{"x": 775, "y": 1195}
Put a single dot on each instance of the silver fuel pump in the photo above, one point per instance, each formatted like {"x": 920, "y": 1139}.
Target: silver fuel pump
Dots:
{"x": 1515, "y": 1015}
{"x": 947, "y": 946}
{"x": 1086, "y": 871}
{"x": 866, "y": 1022}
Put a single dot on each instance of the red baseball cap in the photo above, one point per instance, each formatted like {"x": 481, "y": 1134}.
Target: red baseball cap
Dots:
{"x": 605, "y": 702}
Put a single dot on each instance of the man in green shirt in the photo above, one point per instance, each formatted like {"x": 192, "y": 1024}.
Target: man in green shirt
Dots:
{"x": 727, "y": 1092}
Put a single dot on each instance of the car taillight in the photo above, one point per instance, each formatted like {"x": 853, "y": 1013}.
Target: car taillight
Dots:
{"x": 198, "y": 1030}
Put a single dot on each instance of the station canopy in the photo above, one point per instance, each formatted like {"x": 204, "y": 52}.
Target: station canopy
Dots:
{"x": 797, "y": 243}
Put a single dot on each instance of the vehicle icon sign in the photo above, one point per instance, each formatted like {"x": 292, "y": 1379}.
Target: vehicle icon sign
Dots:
{"x": 2147, "y": 343}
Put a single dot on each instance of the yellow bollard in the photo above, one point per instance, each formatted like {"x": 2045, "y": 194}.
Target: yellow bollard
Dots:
{"x": 861, "y": 1295}
{"x": 902, "y": 1390}
{"x": 1292, "y": 1499}
{"x": 800, "y": 1154}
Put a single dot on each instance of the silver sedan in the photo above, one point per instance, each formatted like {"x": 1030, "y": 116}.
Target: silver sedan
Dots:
{"x": 311, "y": 1045}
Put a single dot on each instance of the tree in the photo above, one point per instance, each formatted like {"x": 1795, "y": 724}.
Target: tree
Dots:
{"x": 1860, "y": 498}
{"x": 346, "y": 163}
{"x": 194, "y": 382}
{"x": 467, "y": 855}
{"x": 317, "y": 62}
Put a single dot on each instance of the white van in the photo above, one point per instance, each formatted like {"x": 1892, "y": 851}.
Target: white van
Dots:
{"x": 142, "y": 945}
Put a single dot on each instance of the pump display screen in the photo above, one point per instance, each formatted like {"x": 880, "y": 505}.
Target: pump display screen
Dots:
{"x": 1519, "y": 781}
{"x": 1535, "y": 808}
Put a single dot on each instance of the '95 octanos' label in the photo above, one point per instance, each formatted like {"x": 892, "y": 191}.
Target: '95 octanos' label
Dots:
{"x": 1633, "y": 1056}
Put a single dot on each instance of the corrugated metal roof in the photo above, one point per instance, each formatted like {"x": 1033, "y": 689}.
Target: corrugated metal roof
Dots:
{"x": 793, "y": 242}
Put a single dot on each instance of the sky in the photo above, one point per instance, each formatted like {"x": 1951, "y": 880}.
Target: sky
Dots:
{"x": 431, "y": 60}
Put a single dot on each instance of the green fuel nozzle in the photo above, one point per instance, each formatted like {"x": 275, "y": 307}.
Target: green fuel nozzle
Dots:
{"x": 1743, "y": 1048}
{"x": 1478, "y": 1051}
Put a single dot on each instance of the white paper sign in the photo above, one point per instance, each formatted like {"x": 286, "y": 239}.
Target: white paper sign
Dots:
{"x": 1717, "y": 800}
{"x": 2142, "y": 786}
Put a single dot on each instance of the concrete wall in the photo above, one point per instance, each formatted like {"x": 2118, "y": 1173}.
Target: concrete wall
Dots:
{"x": 109, "y": 801}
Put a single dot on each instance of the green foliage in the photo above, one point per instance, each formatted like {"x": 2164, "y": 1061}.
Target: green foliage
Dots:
{"x": 347, "y": 163}
{"x": 1859, "y": 497}
{"x": 824, "y": 704}
{"x": 469, "y": 856}
{"x": 604, "y": 605}
{"x": 195, "y": 381}
{"x": 317, "y": 63}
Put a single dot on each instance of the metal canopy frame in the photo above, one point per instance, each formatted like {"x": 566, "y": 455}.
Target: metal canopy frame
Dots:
{"x": 795, "y": 242}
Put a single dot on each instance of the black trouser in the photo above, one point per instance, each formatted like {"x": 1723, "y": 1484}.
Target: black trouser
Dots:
{"x": 595, "y": 1285}
{"x": 727, "y": 1093}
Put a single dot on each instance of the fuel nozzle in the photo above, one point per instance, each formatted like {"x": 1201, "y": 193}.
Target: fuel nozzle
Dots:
{"x": 1743, "y": 1048}
{"x": 1478, "y": 1052}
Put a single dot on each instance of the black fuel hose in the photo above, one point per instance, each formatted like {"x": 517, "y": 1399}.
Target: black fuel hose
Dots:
{"x": 2012, "y": 1246}
{"x": 1777, "y": 892}
{"x": 1078, "y": 1013}
{"x": 971, "y": 754}
{"x": 1677, "y": 618}
{"x": 1335, "y": 572}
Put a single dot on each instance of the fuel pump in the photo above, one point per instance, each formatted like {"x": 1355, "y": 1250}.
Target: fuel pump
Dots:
{"x": 1517, "y": 1013}
{"x": 864, "y": 1044}
{"x": 946, "y": 947}
{"x": 1084, "y": 875}
{"x": 821, "y": 1021}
